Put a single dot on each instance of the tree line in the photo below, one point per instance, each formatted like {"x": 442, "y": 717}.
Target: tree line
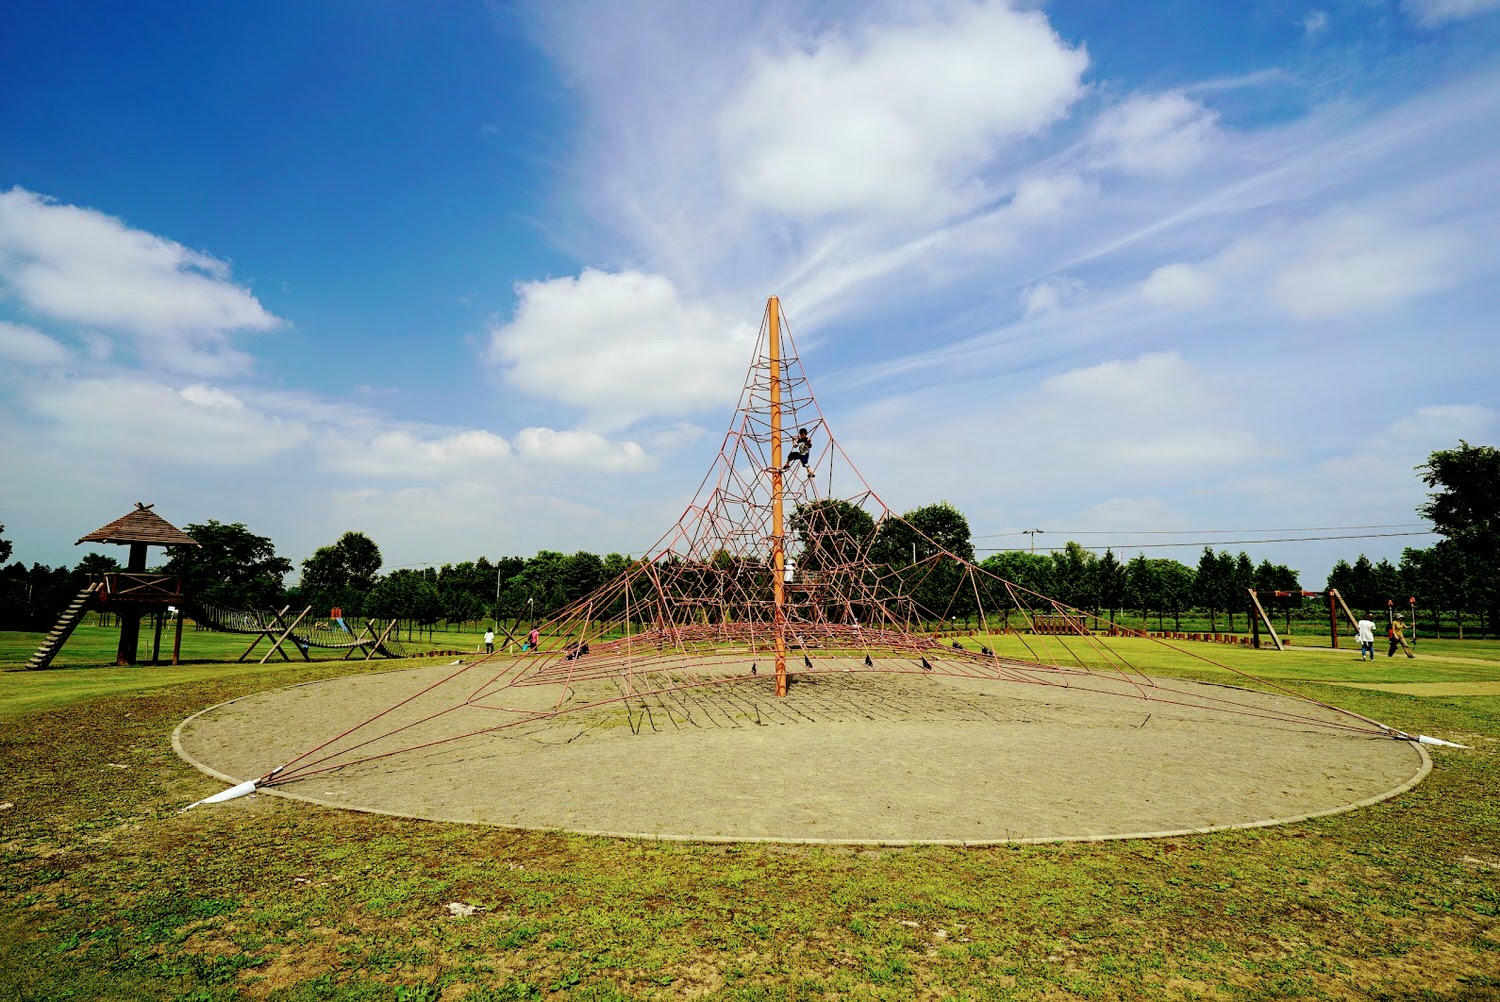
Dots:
{"x": 234, "y": 567}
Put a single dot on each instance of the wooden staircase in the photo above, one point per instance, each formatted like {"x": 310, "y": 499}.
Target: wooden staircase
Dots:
{"x": 71, "y": 617}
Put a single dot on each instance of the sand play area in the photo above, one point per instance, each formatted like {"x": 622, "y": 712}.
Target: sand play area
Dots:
{"x": 860, "y": 757}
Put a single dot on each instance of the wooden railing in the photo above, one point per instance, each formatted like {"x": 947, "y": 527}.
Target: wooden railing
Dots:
{"x": 128, "y": 586}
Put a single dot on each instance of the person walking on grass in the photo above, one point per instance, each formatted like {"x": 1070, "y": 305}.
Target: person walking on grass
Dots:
{"x": 1365, "y": 632}
{"x": 489, "y": 641}
{"x": 801, "y": 449}
{"x": 533, "y": 639}
{"x": 1397, "y": 634}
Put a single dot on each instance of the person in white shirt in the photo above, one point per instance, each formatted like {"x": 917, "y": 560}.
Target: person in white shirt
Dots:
{"x": 489, "y": 641}
{"x": 1366, "y": 633}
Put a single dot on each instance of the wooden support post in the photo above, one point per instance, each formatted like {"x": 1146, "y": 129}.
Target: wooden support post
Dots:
{"x": 1255, "y": 601}
{"x": 1353, "y": 620}
{"x": 1333, "y": 619}
{"x": 359, "y": 641}
{"x": 156, "y": 638}
{"x": 265, "y": 633}
{"x": 381, "y": 640}
{"x": 276, "y": 647}
{"x": 177, "y": 639}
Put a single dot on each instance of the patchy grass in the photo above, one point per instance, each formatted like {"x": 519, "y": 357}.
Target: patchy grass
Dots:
{"x": 108, "y": 892}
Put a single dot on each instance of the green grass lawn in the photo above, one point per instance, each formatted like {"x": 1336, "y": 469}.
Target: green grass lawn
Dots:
{"x": 109, "y": 892}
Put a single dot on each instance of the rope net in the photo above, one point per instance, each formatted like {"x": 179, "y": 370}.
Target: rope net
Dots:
{"x": 862, "y": 590}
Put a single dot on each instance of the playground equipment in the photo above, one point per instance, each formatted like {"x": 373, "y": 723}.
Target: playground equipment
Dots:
{"x": 131, "y": 593}
{"x": 762, "y": 564}
{"x": 271, "y": 625}
{"x": 134, "y": 593}
{"x": 1336, "y": 604}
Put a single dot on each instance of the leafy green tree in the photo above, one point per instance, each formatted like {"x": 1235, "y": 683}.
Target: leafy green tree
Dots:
{"x": 1340, "y": 578}
{"x": 31, "y": 598}
{"x": 1241, "y": 581}
{"x": 945, "y": 526}
{"x": 1073, "y": 575}
{"x": 1142, "y": 588}
{"x": 1271, "y": 577}
{"x": 5, "y": 546}
{"x": 1361, "y": 593}
{"x": 342, "y": 574}
{"x": 580, "y": 574}
{"x": 1464, "y": 507}
{"x": 832, "y": 532}
{"x": 1032, "y": 571}
{"x": 1109, "y": 582}
{"x": 97, "y": 563}
{"x": 1226, "y": 585}
{"x": 1386, "y": 584}
{"x": 230, "y": 566}
{"x": 921, "y": 533}
{"x": 1209, "y": 585}
{"x": 1177, "y": 582}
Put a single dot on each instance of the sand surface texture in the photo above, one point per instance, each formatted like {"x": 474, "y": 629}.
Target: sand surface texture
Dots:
{"x": 861, "y": 757}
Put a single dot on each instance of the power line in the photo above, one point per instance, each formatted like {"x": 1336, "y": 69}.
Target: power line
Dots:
{"x": 1203, "y": 532}
{"x": 1210, "y": 543}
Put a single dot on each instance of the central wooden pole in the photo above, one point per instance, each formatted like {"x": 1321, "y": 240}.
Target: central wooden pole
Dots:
{"x": 778, "y": 540}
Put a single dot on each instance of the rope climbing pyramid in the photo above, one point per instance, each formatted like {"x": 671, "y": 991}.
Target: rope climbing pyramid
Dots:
{"x": 786, "y": 567}
{"x": 792, "y": 660}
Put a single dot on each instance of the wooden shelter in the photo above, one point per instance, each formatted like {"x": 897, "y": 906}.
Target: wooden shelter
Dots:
{"x": 131, "y": 593}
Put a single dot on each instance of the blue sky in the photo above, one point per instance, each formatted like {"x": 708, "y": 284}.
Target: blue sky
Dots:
{"x": 479, "y": 278}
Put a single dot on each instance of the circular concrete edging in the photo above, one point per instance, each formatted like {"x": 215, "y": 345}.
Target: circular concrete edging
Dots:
{"x": 702, "y": 772}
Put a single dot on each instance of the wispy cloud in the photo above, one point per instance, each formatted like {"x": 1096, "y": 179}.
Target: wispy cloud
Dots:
{"x": 26, "y": 346}
{"x": 1434, "y": 13}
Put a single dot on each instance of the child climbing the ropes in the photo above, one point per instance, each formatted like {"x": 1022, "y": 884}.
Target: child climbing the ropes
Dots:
{"x": 801, "y": 449}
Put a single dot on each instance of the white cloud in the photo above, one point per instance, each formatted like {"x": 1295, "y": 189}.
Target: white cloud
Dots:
{"x": 29, "y": 347}
{"x": 1349, "y": 262}
{"x": 1178, "y": 286}
{"x": 1432, "y": 13}
{"x": 132, "y": 417}
{"x": 1157, "y": 410}
{"x": 1439, "y": 426}
{"x": 583, "y": 449}
{"x": 1043, "y": 297}
{"x": 403, "y": 454}
{"x": 894, "y": 118}
{"x": 1374, "y": 479}
{"x": 675, "y": 436}
{"x": 1047, "y": 296}
{"x": 211, "y": 396}
{"x": 1154, "y": 134}
{"x": 80, "y": 265}
{"x": 1043, "y": 198}
{"x": 1314, "y": 23}
{"x": 620, "y": 347}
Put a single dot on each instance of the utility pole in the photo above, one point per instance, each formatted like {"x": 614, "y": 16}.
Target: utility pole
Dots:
{"x": 1033, "y": 533}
